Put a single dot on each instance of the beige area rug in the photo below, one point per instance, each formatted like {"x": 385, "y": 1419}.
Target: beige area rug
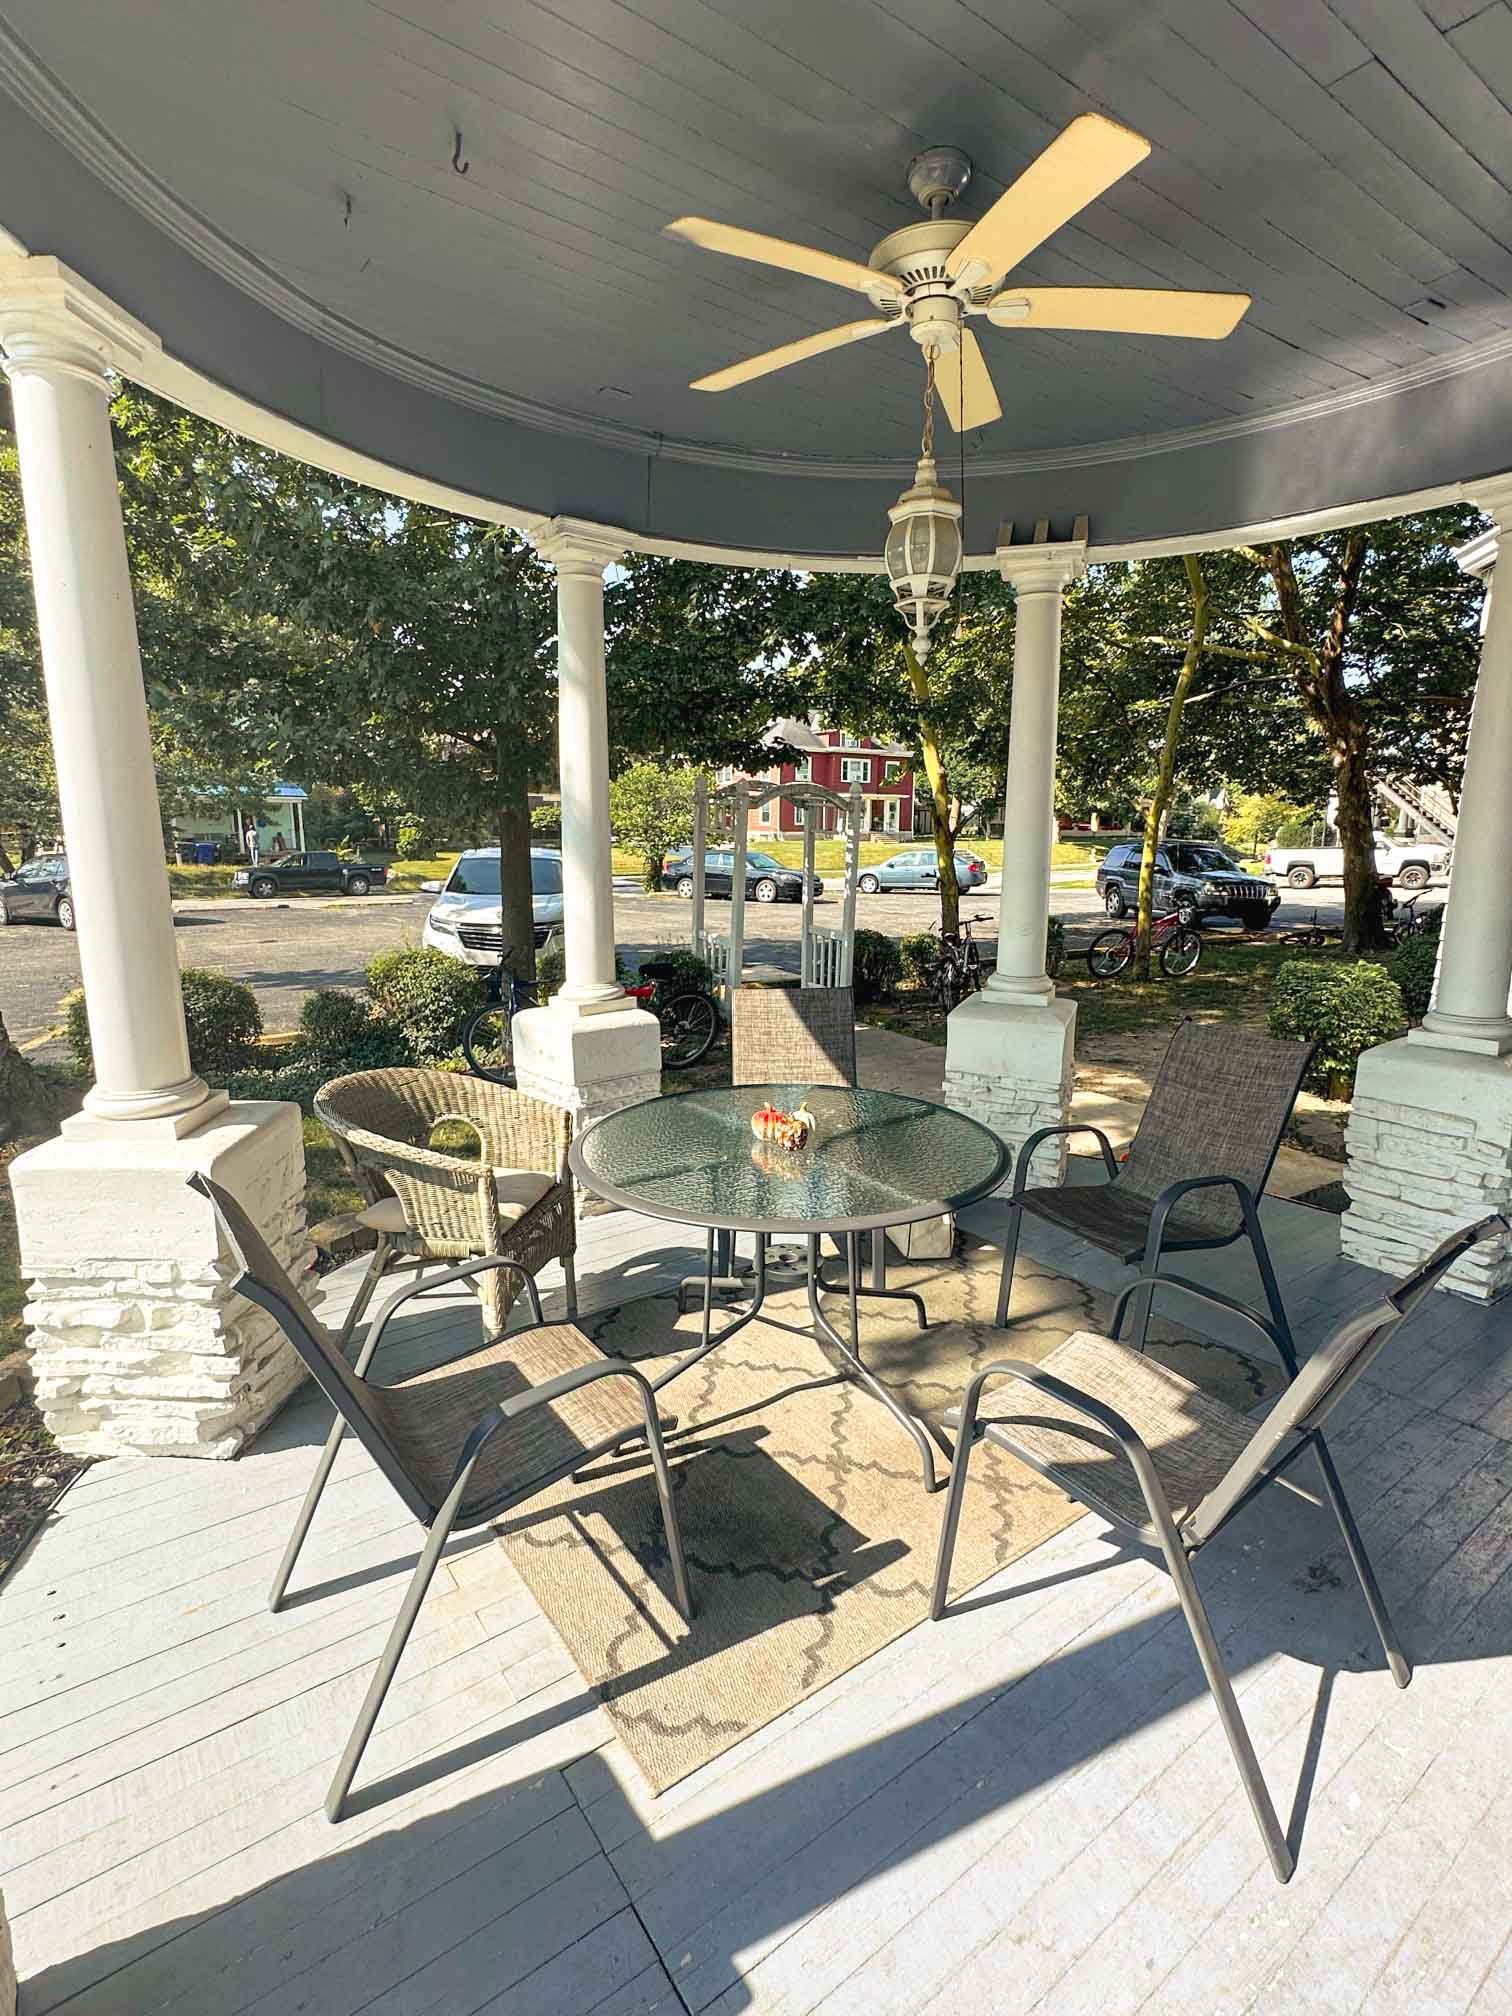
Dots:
{"x": 809, "y": 1536}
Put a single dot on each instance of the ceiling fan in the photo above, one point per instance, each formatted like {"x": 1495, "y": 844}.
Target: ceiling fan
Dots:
{"x": 931, "y": 276}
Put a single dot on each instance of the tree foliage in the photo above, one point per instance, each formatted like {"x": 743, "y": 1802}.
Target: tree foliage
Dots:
{"x": 651, "y": 810}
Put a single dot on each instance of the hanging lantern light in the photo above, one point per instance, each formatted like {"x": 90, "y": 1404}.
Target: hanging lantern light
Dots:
{"x": 923, "y": 550}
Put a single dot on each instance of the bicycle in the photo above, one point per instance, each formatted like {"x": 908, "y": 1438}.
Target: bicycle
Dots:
{"x": 1180, "y": 946}
{"x": 958, "y": 969}
{"x": 689, "y": 1020}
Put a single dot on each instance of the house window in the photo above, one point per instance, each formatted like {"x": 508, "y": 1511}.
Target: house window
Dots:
{"x": 800, "y": 815}
{"x": 855, "y": 770}
{"x": 803, "y": 770}
{"x": 764, "y": 813}
{"x": 891, "y": 772}
{"x": 849, "y": 741}
{"x": 889, "y": 815}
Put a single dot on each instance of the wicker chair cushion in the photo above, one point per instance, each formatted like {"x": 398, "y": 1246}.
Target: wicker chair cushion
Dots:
{"x": 428, "y": 1417}
{"x": 518, "y": 1190}
{"x": 1194, "y": 1439}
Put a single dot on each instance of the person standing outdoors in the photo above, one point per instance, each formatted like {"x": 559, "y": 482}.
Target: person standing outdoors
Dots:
{"x": 251, "y": 836}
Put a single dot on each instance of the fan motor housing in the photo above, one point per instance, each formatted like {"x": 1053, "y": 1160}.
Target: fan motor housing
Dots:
{"x": 916, "y": 255}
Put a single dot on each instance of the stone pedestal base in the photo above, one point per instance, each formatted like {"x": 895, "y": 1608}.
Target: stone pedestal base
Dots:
{"x": 1010, "y": 1065}
{"x": 138, "y": 1343}
{"x": 1430, "y": 1150}
{"x": 591, "y": 1064}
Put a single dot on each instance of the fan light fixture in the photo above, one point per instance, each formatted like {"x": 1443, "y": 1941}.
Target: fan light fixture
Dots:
{"x": 923, "y": 549}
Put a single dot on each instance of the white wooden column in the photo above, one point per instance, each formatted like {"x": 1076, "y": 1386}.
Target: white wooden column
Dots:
{"x": 1469, "y": 1009}
{"x": 591, "y": 1050}
{"x": 58, "y": 338}
{"x": 1039, "y": 575}
{"x": 1430, "y": 1128}
{"x": 137, "y": 1341}
{"x": 1009, "y": 1051}
{"x": 580, "y": 554}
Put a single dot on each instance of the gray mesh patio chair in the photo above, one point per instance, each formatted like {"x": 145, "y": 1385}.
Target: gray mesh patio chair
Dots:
{"x": 1195, "y": 1170}
{"x": 1170, "y": 1465}
{"x": 793, "y": 1036}
{"x": 461, "y": 1441}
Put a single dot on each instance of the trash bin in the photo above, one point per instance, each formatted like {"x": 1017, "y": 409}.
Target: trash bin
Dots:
{"x": 204, "y": 854}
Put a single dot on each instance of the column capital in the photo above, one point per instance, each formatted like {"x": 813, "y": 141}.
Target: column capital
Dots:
{"x": 50, "y": 319}
{"x": 575, "y": 546}
{"x": 1044, "y": 566}
{"x": 1493, "y": 494}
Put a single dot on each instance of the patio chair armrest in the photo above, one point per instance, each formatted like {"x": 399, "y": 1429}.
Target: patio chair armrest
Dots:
{"x": 1219, "y": 1301}
{"x": 504, "y": 1412}
{"x": 1036, "y": 1140}
{"x": 464, "y": 1271}
{"x": 1122, "y": 1431}
{"x": 1172, "y": 1195}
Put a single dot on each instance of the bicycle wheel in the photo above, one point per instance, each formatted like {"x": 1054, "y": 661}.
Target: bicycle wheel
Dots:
{"x": 689, "y": 1024}
{"x": 488, "y": 1045}
{"x": 1180, "y": 953}
{"x": 947, "y": 985}
{"x": 971, "y": 977}
{"x": 1110, "y": 953}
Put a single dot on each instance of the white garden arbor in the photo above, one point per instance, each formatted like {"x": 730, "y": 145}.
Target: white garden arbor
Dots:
{"x": 826, "y": 955}
{"x": 317, "y": 238}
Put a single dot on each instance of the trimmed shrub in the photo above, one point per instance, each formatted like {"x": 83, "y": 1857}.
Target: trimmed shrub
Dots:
{"x": 221, "y": 1016}
{"x": 426, "y": 996}
{"x": 688, "y": 970}
{"x": 1055, "y": 946}
{"x": 333, "y": 1020}
{"x": 1412, "y": 966}
{"x": 877, "y": 966}
{"x": 920, "y": 954}
{"x": 298, "y": 1082}
{"x": 551, "y": 967}
{"x": 1347, "y": 1008}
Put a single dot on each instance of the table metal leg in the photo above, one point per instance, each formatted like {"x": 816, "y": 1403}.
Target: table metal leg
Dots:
{"x": 851, "y": 1351}
{"x": 730, "y": 1273}
{"x": 712, "y": 1340}
{"x": 878, "y": 1288}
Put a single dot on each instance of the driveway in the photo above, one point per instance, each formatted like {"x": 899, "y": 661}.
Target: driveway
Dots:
{"x": 283, "y": 950}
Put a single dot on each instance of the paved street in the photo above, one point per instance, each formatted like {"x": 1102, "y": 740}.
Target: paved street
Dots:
{"x": 284, "y": 949}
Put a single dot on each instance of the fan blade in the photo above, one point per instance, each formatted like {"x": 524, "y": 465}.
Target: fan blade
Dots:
{"x": 1131, "y": 311}
{"x": 965, "y": 386}
{"x": 789, "y": 353}
{"x": 711, "y": 237}
{"x": 1075, "y": 169}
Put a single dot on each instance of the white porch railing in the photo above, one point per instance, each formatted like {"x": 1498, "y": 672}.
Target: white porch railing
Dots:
{"x": 827, "y": 958}
{"x": 713, "y": 947}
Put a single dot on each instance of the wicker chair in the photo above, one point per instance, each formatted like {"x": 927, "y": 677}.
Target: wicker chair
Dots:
{"x": 1195, "y": 1170}
{"x": 463, "y": 1440}
{"x": 1170, "y": 1466}
{"x": 793, "y": 1036}
{"x": 513, "y": 1200}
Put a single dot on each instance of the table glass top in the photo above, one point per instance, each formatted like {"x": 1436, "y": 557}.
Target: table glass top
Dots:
{"x": 872, "y": 1158}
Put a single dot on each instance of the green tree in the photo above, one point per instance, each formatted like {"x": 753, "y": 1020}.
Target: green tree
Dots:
{"x": 651, "y": 810}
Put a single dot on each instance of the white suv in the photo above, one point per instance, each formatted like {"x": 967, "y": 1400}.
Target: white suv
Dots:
{"x": 464, "y": 919}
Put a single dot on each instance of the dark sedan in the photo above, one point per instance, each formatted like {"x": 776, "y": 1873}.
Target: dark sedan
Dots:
{"x": 38, "y": 891}
{"x": 767, "y": 881}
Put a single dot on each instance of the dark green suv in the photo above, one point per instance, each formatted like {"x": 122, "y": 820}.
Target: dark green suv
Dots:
{"x": 1196, "y": 878}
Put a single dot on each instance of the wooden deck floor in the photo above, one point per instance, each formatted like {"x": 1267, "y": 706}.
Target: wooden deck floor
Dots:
{"x": 1028, "y": 1807}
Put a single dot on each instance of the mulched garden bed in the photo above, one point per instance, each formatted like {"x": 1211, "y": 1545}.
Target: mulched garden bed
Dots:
{"x": 34, "y": 1474}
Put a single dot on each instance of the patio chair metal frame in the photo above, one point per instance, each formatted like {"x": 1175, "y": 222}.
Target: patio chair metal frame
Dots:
{"x": 263, "y": 1282}
{"x": 1292, "y": 1427}
{"x": 1157, "y": 1239}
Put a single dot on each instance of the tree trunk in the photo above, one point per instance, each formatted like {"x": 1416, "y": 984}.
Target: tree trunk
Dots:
{"x": 1335, "y": 712}
{"x": 7, "y": 866}
{"x": 1165, "y": 778}
{"x": 26, "y": 1106}
{"x": 516, "y": 909}
{"x": 939, "y": 798}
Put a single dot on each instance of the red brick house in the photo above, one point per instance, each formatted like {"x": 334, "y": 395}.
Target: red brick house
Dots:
{"x": 832, "y": 756}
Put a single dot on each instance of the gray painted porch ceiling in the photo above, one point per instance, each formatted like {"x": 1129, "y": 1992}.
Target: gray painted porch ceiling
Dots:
{"x": 280, "y": 203}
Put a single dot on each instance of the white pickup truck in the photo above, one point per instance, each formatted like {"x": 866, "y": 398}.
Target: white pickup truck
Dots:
{"x": 1411, "y": 864}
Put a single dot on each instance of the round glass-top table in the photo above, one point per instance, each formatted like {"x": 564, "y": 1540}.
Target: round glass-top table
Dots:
{"x": 872, "y": 1160}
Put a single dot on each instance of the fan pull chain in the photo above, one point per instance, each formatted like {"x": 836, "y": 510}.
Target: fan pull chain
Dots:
{"x": 926, "y": 443}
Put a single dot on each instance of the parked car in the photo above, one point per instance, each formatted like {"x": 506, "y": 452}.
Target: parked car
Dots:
{"x": 285, "y": 873}
{"x": 919, "y": 868}
{"x": 464, "y": 921}
{"x": 1193, "y": 877}
{"x": 1411, "y": 864}
{"x": 39, "y": 889}
{"x": 767, "y": 881}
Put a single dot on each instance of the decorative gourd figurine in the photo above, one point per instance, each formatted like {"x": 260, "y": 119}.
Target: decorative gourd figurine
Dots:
{"x": 765, "y": 1122}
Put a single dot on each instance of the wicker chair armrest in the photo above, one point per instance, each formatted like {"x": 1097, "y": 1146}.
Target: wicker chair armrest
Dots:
{"x": 506, "y": 1411}
{"x": 517, "y": 1131}
{"x": 378, "y": 1149}
{"x": 1042, "y": 1134}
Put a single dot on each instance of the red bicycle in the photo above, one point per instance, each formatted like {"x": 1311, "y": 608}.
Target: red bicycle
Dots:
{"x": 1180, "y": 948}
